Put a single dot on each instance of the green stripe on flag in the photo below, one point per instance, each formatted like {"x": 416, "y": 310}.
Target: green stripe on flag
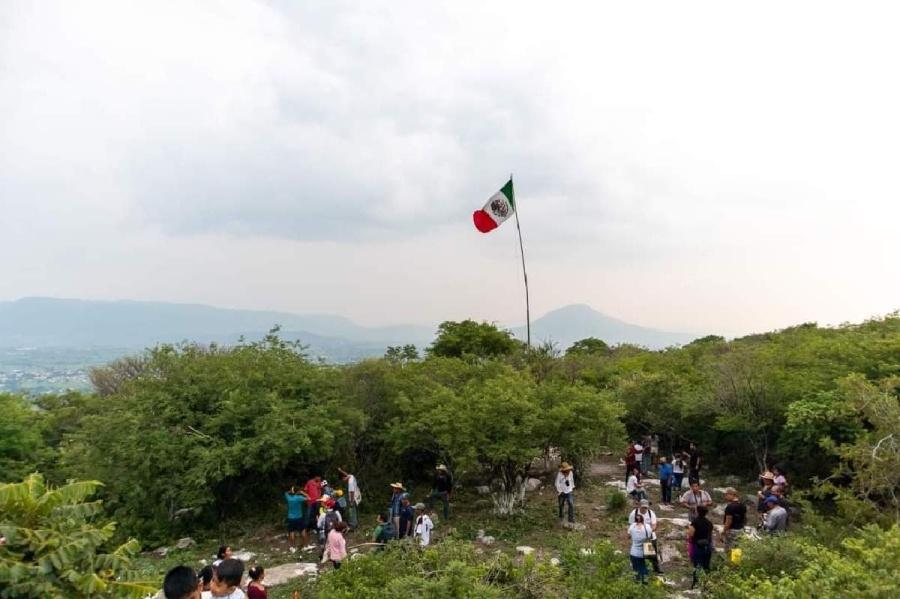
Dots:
{"x": 507, "y": 190}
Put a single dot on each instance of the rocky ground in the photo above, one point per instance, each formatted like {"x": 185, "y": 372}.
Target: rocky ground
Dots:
{"x": 536, "y": 530}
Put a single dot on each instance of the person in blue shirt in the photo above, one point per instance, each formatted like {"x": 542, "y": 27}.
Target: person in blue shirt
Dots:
{"x": 295, "y": 500}
{"x": 407, "y": 516}
{"x": 665, "y": 480}
{"x": 396, "y": 503}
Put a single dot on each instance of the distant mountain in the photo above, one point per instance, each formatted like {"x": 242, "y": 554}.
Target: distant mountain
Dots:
{"x": 131, "y": 326}
{"x": 568, "y": 324}
{"x": 51, "y": 322}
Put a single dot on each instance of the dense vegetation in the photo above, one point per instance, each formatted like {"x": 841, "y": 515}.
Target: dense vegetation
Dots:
{"x": 184, "y": 437}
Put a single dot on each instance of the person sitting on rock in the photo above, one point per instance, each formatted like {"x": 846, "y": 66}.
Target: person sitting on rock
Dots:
{"x": 767, "y": 481}
{"x": 776, "y": 518}
{"x": 634, "y": 486}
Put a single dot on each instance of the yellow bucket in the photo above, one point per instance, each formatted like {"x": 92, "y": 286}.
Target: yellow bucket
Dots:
{"x": 736, "y": 555}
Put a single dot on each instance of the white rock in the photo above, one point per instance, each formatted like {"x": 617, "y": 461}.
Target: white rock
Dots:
{"x": 533, "y": 484}
{"x": 668, "y": 552}
{"x": 480, "y": 533}
{"x": 574, "y": 525}
{"x": 682, "y": 522}
{"x": 586, "y": 551}
{"x": 161, "y": 551}
{"x": 245, "y": 556}
{"x": 665, "y": 508}
{"x": 488, "y": 540}
{"x": 554, "y": 561}
{"x": 287, "y": 572}
{"x": 185, "y": 543}
{"x": 616, "y": 483}
{"x": 483, "y": 490}
{"x": 524, "y": 550}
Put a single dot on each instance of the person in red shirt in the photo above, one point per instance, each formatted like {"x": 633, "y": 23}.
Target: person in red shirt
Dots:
{"x": 256, "y": 589}
{"x": 313, "y": 491}
{"x": 630, "y": 460}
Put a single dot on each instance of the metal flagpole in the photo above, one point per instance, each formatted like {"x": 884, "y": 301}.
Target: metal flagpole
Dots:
{"x": 524, "y": 272}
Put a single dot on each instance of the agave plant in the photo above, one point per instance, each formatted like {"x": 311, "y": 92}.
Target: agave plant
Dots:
{"x": 54, "y": 545}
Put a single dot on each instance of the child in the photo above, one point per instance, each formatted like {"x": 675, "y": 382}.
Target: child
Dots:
{"x": 205, "y": 575}
{"x": 336, "y": 545}
{"x": 256, "y": 590}
{"x": 181, "y": 583}
{"x": 226, "y": 582}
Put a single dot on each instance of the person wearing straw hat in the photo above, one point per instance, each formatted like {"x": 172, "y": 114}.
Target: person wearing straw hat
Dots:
{"x": 441, "y": 489}
{"x": 396, "y": 505}
{"x": 565, "y": 489}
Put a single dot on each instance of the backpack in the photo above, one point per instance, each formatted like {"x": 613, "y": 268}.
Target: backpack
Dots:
{"x": 331, "y": 520}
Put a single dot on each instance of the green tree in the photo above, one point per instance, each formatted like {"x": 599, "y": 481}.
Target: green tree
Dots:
{"x": 21, "y": 443}
{"x": 470, "y": 338}
{"x": 590, "y": 346}
{"x": 55, "y": 547}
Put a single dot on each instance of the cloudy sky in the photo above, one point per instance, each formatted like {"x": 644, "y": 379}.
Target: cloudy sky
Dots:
{"x": 704, "y": 166}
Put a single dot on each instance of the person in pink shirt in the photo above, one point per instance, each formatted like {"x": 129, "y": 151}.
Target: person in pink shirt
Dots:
{"x": 336, "y": 546}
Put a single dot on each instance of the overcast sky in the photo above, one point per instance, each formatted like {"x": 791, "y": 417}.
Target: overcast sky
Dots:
{"x": 703, "y": 167}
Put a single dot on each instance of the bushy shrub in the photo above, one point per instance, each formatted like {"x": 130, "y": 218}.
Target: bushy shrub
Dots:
{"x": 865, "y": 566}
{"x": 55, "y": 549}
{"x": 615, "y": 501}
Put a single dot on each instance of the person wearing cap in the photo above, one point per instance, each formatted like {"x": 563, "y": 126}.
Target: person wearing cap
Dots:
{"x": 735, "y": 519}
{"x": 776, "y": 517}
{"x": 565, "y": 490}
{"x": 441, "y": 489}
{"x": 424, "y": 525}
{"x": 395, "y": 505}
{"x": 407, "y": 517}
{"x": 649, "y": 518}
{"x": 328, "y": 518}
{"x": 767, "y": 480}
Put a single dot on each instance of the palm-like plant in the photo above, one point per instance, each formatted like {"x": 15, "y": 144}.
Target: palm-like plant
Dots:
{"x": 54, "y": 547}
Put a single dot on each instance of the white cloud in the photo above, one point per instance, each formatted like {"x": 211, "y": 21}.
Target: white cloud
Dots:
{"x": 699, "y": 167}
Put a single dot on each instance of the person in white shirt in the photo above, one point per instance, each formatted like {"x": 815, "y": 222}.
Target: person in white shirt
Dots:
{"x": 424, "y": 525}
{"x": 678, "y": 466}
{"x": 639, "y": 455}
{"x": 565, "y": 490}
{"x": 695, "y": 497}
{"x": 649, "y": 517}
{"x": 633, "y": 487}
{"x": 640, "y": 533}
{"x": 354, "y": 498}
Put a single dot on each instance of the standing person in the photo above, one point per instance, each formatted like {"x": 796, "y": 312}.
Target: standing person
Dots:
{"x": 336, "y": 545}
{"x": 776, "y": 517}
{"x": 695, "y": 498}
{"x": 654, "y": 450}
{"x": 424, "y": 525}
{"x": 639, "y": 455}
{"x": 223, "y": 554}
{"x": 313, "y": 491}
{"x": 735, "y": 518}
{"x": 649, "y": 517}
{"x": 767, "y": 482}
{"x": 665, "y": 481}
{"x": 354, "y": 498}
{"x": 396, "y": 502}
{"x": 700, "y": 537}
{"x": 328, "y": 519}
{"x": 255, "y": 588}
{"x": 647, "y": 455}
{"x": 295, "y": 502}
{"x": 780, "y": 479}
{"x": 630, "y": 459}
{"x": 181, "y": 582}
{"x": 640, "y": 533}
{"x": 565, "y": 489}
{"x": 634, "y": 486}
{"x": 695, "y": 462}
{"x": 678, "y": 467}
{"x": 441, "y": 489}
{"x": 407, "y": 517}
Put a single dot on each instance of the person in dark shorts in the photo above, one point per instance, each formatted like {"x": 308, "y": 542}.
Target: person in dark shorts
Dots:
{"x": 735, "y": 519}
{"x": 295, "y": 501}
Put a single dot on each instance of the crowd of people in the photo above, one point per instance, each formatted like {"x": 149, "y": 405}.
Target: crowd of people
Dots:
{"x": 329, "y": 513}
{"x": 642, "y": 456}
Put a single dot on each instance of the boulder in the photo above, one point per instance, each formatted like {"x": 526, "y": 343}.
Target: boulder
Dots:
{"x": 533, "y": 484}
{"x": 524, "y": 550}
{"x": 287, "y": 572}
{"x": 488, "y": 540}
{"x": 161, "y": 551}
{"x": 680, "y": 522}
{"x": 185, "y": 543}
{"x": 245, "y": 556}
{"x": 574, "y": 525}
{"x": 665, "y": 508}
{"x": 554, "y": 561}
{"x": 675, "y": 535}
{"x": 668, "y": 552}
{"x": 483, "y": 490}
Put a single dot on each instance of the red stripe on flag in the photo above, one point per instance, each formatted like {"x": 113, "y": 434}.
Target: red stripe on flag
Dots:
{"x": 483, "y": 221}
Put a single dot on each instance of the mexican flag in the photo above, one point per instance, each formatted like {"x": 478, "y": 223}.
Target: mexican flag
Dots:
{"x": 498, "y": 208}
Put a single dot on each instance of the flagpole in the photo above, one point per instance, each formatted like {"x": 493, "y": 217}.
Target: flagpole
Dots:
{"x": 524, "y": 272}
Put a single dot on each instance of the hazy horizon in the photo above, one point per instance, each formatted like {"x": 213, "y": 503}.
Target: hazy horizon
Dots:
{"x": 699, "y": 168}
